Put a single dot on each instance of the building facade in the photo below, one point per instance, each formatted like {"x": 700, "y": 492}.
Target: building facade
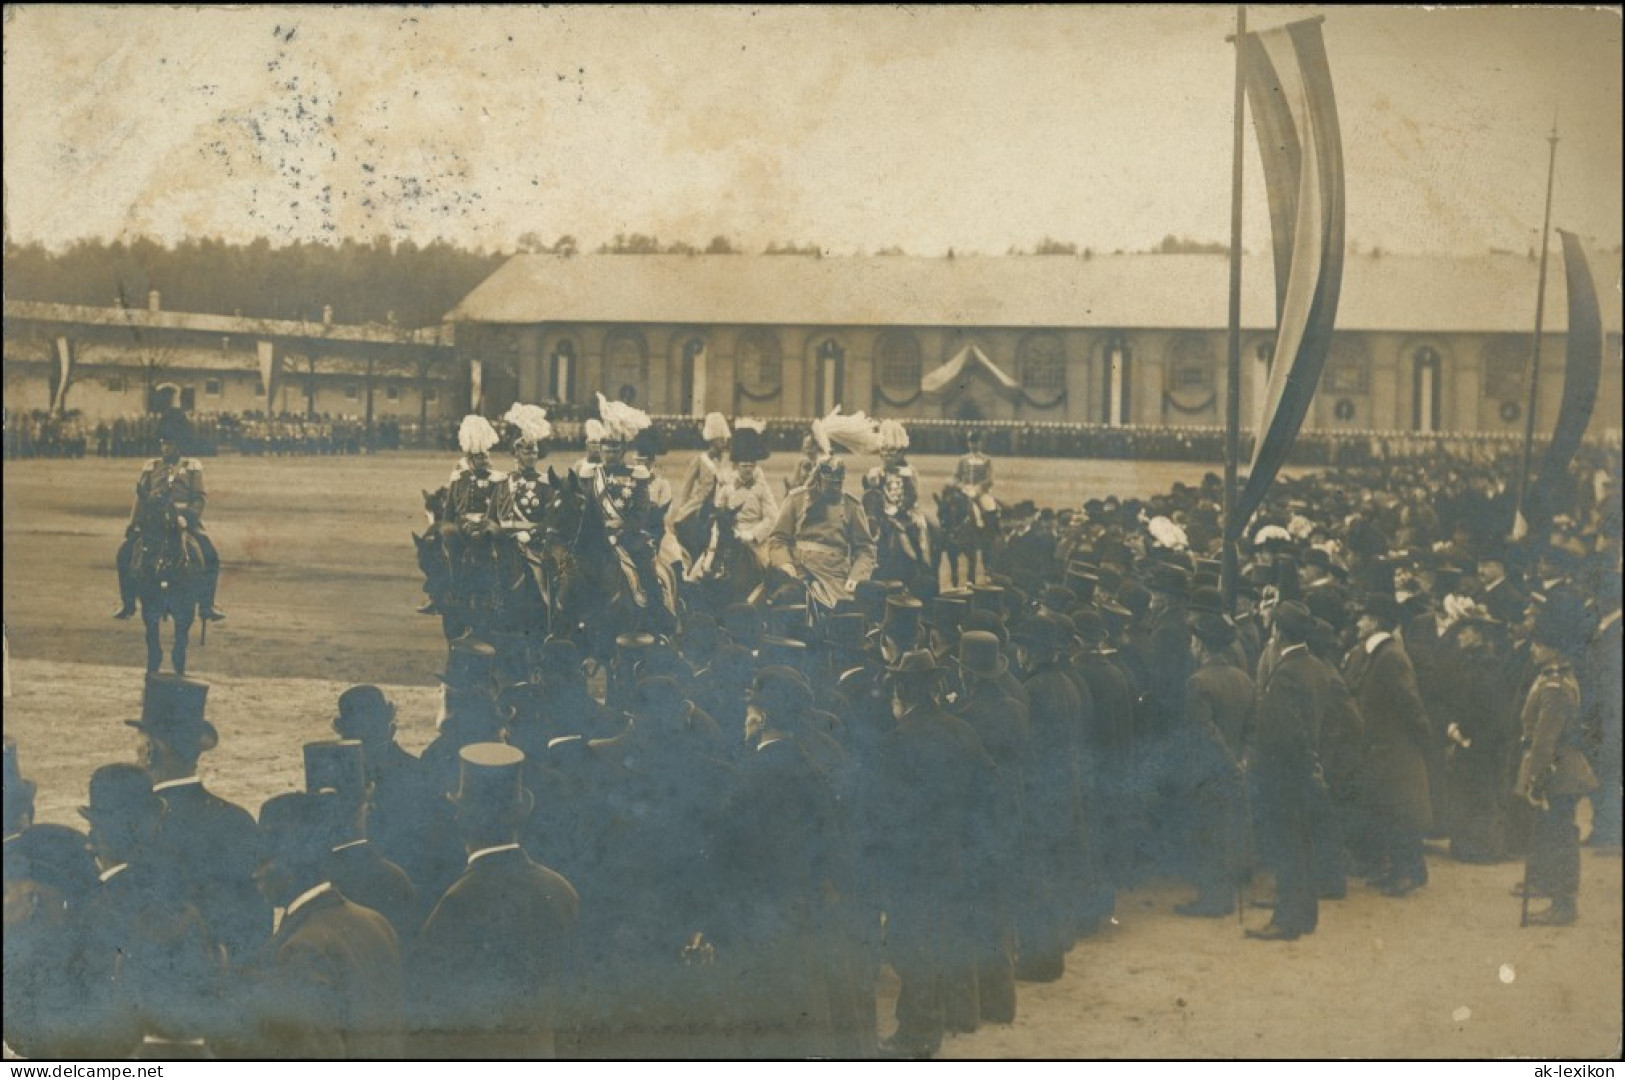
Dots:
{"x": 1422, "y": 345}
{"x": 104, "y": 363}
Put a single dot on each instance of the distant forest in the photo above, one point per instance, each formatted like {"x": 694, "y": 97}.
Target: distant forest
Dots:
{"x": 378, "y": 282}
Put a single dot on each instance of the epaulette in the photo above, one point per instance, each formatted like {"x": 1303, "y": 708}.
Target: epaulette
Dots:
{"x": 191, "y": 464}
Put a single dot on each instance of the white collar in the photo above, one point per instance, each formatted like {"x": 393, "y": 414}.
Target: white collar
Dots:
{"x": 306, "y": 897}
{"x": 167, "y": 784}
{"x": 1291, "y": 649}
{"x": 768, "y": 741}
{"x": 351, "y": 844}
{"x": 483, "y": 852}
{"x": 1609, "y": 619}
{"x": 1375, "y": 640}
{"x": 112, "y": 872}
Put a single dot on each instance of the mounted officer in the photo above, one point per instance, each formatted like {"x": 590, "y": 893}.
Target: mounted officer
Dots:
{"x": 974, "y": 476}
{"x": 620, "y": 489}
{"x": 463, "y": 528}
{"x": 170, "y": 489}
{"x": 822, "y": 536}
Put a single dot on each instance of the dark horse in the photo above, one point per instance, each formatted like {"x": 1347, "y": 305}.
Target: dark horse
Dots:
{"x": 906, "y": 550}
{"x": 962, "y": 537}
{"x": 168, "y": 571}
{"x": 727, "y": 572}
{"x": 584, "y": 582}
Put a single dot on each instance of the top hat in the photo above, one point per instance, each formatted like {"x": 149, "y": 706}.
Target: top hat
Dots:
{"x": 1090, "y": 626}
{"x": 336, "y": 765}
{"x": 1043, "y": 633}
{"x": 172, "y": 713}
{"x": 120, "y": 792}
{"x": 979, "y": 654}
{"x": 363, "y": 710}
{"x": 870, "y": 597}
{"x": 467, "y": 662}
{"x": 847, "y": 631}
{"x": 491, "y": 779}
{"x": 948, "y": 612}
{"x": 787, "y": 621}
{"x": 902, "y": 617}
{"x": 1058, "y": 598}
{"x": 987, "y": 598}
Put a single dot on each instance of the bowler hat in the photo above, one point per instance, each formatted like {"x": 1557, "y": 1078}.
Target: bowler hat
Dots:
{"x": 337, "y": 765}
{"x": 1382, "y": 605}
{"x": 300, "y": 826}
{"x": 363, "y": 710}
{"x": 491, "y": 779}
{"x": 1090, "y": 625}
{"x": 1214, "y": 630}
{"x": 1042, "y": 632}
{"x": 780, "y": 690}
{"x": 1294, "y": 620}
{"x": 1164, "y": 578}
{"x": 120, "y": 792}
{"x": 172, "y": 713}
{"x": 1208, "y": 600}
{"x": 979, "y": 654}
{"x": 1058, "y": 598}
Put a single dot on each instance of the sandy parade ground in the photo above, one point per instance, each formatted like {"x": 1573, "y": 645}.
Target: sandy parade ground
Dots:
{"x": 320, "y": 586}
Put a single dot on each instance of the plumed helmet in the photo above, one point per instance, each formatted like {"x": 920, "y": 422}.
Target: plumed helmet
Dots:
{"x": 893, "y": 437}
{"x": 716, "y": 427}
{"x": 529, "y": 423}
{"x": 622, "y": 422}
{"x": 748, "y": 445}
{"x": 476, "y": 435}
{"x": 593, "y": 430}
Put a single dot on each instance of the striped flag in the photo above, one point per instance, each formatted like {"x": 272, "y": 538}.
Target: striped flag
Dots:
{"x": 270, "y": 369}
{"x": 1582, "y": 371}
{"x": 1289, "y": 86}
{"x": 63, "y": 347}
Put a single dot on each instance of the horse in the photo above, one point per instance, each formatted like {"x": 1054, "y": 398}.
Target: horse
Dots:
{"x": 459, "y": 571}
{"x": 962, "y": 537}
{"x": 727, "y": 572}
{"x": 585, "y": 579}
{"x": 169, "y": 575}
{"x": 906, "y": 550}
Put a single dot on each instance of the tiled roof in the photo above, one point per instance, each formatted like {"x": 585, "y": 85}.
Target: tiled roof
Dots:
{"x": 1493, "y": 294}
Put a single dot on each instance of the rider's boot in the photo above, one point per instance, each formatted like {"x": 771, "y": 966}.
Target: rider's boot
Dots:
{"x": 428, "y": 608}
{"x": 126, "y": 585}
{"x": 206, "y": 608}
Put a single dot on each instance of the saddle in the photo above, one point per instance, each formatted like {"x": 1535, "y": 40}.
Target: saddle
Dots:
{"x": 177, "y": 550}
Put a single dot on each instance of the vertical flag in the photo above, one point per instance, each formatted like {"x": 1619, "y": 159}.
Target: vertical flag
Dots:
{"x": 270, "y": 368}
{"x": 63, "y": 347}
{"x": 1582, "y": 371}
{"x": 1289, "y": 86}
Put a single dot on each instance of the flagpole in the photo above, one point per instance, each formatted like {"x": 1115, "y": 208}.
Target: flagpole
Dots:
{"x": 1232, "y": 403}
{"x": 1534, "y": 356}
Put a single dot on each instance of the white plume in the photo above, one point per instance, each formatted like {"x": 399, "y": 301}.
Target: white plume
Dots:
{"x": 1168, "y": 534}
{"x": 716, "y": 427}
{"x": 531, "y": 422}
{"x": 476, "y": 435}
{"x": 593, "y": 429}
{"x": 893, "y": 436}
{"x": 622, "y": 422}
{"x": 855, "y": 433}
{"x": 1271, "y": 532}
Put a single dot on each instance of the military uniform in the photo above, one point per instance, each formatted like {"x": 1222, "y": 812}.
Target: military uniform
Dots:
{"x": 167, "y": 492}
{"x": 1554, "y": 773}
{"x": 831, "y": 543}
{"x": 974, "y": 475}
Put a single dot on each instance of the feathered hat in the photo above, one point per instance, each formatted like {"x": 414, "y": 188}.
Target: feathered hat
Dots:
{"x": 893, "y": 437}
{"x": 748, "y": 443}
{"x": 476, "y": 435}
{"x": 1168, "y": 534}
{"x": 622, "y": 422}
{"x": 593, "y": 430}
{"x": 837, "y": 432}
{"x": 716, "y": 427}
{"x": 529, "y": 423}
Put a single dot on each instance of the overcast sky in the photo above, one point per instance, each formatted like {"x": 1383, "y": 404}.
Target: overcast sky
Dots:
{"x": 858, "y": 129}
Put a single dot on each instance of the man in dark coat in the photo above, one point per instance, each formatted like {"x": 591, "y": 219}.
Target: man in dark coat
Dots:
{"x": 1553, "y": 774}
{"x": 1283, "y": 767}
{"x": 1054, "y": 799}
{"x": 933, "y": 786}
{"x": 1211, "y": 795}
{"x": 1380, "y": 676}
{"x": 354, "y": 864}
{"x": 328, "y": 984}
{"x": 1600, "y": 696}
{"x": 492, "y": 967}
{"x": 152, "y": 973}
{"x": 1000, "y": 721}
{"x": 209, "y": 843}
{"x": 1112, "y": 692}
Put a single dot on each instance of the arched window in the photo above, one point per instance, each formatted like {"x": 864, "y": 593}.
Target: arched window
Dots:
{"x": 759, "y": 364}
{"x": 626, "y": 363}
{"x": 897, "y": 362}
{"x": 1041, "y": 365}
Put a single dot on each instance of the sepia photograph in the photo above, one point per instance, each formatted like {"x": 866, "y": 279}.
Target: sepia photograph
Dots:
{"x": 724, "y": 533}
